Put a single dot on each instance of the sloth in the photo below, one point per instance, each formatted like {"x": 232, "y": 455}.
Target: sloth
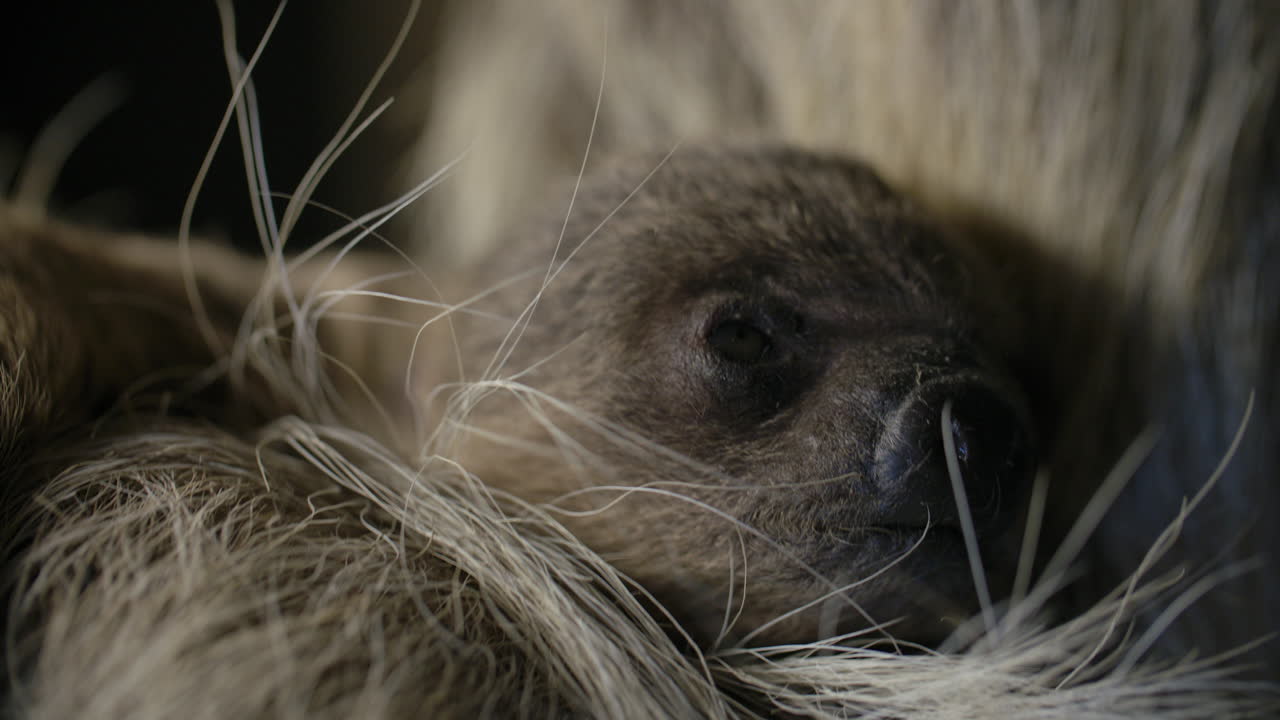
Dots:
{"x": 729, "y": 430}
{"x": 781, "y": 324}
{"x": 787, "y": 330}
{"x": 1122, "y": 190}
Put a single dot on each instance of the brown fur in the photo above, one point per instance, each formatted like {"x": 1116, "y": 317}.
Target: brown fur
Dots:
{"x": 731, "y": 492}
{"x": 864, "y": 304}
{"x": 1122, "y": 170}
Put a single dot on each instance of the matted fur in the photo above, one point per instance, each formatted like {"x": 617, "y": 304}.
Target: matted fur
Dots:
{"x": 273, "y": 558}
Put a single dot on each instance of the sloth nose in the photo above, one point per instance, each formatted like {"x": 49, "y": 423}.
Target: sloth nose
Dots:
{"x": 992, "y": 445}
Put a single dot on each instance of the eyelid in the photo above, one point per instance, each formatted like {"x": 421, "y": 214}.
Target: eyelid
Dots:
{"x": 784, "y": 328}
{"x": 776, "y": 319}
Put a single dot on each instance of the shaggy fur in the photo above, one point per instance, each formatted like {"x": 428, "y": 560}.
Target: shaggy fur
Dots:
{"x": 1119, "y": 158}
{"x": 214, "y": 507}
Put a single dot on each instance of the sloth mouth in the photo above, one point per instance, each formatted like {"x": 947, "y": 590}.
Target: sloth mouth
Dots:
{"x": 917, "y": 578}
{"x": 948, "y": 529}
{"x": 890, "y": 539}
{"x": 898, "y": 529}
{"x": 938, "y": 550}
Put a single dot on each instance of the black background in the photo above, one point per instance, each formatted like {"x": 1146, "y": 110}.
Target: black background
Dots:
{"x": 134, "y": 169}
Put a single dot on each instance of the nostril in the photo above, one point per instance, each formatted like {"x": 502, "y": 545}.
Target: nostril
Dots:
{"x": 992, "y": 448}
{"x": 992, "y": 444}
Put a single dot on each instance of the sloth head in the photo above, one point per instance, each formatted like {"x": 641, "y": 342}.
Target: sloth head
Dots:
{"x": 732, "y": 385}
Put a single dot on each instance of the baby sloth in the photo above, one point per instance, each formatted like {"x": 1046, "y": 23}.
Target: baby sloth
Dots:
{"x": 729, "y": 374}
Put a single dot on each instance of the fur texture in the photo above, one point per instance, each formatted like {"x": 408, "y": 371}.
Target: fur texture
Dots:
{"x": 1123, "y": 167}
{"x": 207, "y": 515}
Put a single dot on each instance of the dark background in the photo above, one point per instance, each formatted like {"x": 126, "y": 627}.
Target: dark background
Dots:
{"x": 134, "y": 169}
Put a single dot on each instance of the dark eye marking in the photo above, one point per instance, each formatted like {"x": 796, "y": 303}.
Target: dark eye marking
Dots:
{"x": 739, "y": 341}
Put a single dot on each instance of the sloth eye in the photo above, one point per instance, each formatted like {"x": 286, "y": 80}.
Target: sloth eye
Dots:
{"x": 739, "y": 341}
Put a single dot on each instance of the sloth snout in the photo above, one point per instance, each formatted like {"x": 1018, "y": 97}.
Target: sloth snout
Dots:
{"x": 992, "y": 445}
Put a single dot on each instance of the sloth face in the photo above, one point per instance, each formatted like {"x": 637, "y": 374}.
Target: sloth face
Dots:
{"x": 740, "y": 364}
